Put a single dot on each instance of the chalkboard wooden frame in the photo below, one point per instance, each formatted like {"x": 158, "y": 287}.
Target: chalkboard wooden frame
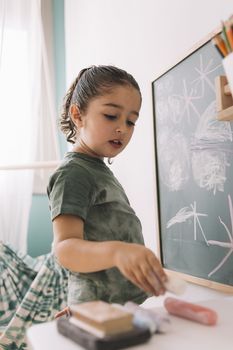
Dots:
{"x": 204, "y": 281}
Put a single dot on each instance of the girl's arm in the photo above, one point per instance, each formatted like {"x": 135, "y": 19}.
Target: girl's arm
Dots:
{"x": 136, "y": 262}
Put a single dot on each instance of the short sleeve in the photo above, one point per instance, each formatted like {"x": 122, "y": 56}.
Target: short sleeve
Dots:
{"x": 70, "y": 191}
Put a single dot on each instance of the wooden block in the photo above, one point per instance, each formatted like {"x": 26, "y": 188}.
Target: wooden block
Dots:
{"x": 99, "y": 332}
{"x": 103, "y": 316}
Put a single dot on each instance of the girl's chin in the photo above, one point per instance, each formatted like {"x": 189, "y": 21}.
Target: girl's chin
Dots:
{"x": 113, "y": 154}
{"x": 109, "y": 153}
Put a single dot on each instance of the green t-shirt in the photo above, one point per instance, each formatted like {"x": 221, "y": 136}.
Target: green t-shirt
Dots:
{"x": 84, "y": 186}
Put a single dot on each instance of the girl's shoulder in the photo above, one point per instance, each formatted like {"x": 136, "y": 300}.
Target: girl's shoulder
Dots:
{"x": 79, "y": 167}
{"x": 71, "y": 169}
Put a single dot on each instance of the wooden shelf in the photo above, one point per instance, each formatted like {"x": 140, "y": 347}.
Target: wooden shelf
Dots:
{"x": 227, "y": 90}
{"x": 224, "y": 100}
{"x": 226, "y": 114}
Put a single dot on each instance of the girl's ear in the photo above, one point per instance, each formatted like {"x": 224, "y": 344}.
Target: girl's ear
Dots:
{"x": 76, "y": 116}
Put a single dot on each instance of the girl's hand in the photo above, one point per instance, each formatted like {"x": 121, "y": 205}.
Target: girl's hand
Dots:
{"x": 140, "y": 265}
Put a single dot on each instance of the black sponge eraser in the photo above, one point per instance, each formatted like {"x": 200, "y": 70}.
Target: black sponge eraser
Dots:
{"x": 137, "y": 335}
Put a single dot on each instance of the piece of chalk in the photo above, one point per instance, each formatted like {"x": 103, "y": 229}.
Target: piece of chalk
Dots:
{"x": 191, "y": 311}
{"x": 156, "y": 322}
{"x": 175, "y": 285}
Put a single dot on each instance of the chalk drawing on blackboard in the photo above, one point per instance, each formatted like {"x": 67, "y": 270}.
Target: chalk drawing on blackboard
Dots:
{"x": 188, "y": 97}
{"x": 209, "y": 128}
{"x": 174, "y": 153}
{"x": 174, "y": 106}
{"x": 192, "y": 93}
{"x": 209, "y": 170}
{"x": 166, "y": 87}
{"x": 209, "y": 152}
{"x": 203, "y": 72}
{"x": 185, "y": 214}
{"x": 168, "y": 107}
{"x": 228, "y": 245}
{"x": 208, "y": 167}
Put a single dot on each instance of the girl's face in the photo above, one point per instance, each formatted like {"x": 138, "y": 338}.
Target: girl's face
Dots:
{"x": 107, "y": 125}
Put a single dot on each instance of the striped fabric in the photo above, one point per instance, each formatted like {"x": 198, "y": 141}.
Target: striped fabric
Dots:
{"x": 32, "y": 290}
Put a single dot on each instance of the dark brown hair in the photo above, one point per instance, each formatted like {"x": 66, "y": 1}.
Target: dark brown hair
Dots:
{"x": 91, "y": 82}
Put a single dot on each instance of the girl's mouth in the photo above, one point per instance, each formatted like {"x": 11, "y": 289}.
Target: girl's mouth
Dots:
{"x": 116, "y": 143}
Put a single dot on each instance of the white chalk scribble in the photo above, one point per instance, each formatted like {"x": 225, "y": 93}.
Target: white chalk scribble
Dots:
{"x": 228, "y": 245}
{"x": 203, "y": 71}
{"x": 165, "y": 87}
{"x": 185, "y": 214}
{"x": 210, "y": 129}
{"x": 210, "y": 151}
{"x": 188, "y": 97}
{"x": 209, "y": 170}
{"x": 167, "y": 107}
{"x": 173, "y": 159}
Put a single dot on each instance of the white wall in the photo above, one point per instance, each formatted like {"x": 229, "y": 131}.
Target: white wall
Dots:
{"x": 144, "y": 37}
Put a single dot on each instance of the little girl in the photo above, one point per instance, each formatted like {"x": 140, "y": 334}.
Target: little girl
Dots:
{"x": 97, "y": 236}
{"x": 98, "y": 249}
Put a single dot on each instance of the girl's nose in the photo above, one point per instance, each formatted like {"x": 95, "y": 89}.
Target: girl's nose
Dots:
{"x": 121, "y": 128}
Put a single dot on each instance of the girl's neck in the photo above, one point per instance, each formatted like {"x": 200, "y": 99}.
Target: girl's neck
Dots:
{"x": 81, "y": 146}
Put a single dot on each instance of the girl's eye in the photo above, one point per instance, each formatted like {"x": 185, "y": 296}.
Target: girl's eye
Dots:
{"x": 130, "y": 123}
{"x": 110, "y": 117}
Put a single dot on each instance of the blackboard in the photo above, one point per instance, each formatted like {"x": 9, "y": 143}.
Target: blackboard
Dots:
{"x": 194, "y": 170}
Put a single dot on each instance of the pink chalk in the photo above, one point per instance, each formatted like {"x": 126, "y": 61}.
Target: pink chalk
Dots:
{"x": 191, "y": 311}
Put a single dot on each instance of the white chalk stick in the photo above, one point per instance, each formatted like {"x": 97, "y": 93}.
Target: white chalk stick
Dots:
{"x": 175, "y": 285}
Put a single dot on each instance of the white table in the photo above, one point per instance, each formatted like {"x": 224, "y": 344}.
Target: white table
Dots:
{"x": 184, "y": 334}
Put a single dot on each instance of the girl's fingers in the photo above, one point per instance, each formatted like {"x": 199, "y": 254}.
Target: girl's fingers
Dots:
{"x": 148, "y": 286}
{"x": 144, "y": 270}
{"x": 154, "y": 273}
{"x": 139, "y": 281}
{"x": 155, "y": 281}
{"x": 157, "y": 269}
{"x": 65, "y": 311}
{"x": 148, "y": 281}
